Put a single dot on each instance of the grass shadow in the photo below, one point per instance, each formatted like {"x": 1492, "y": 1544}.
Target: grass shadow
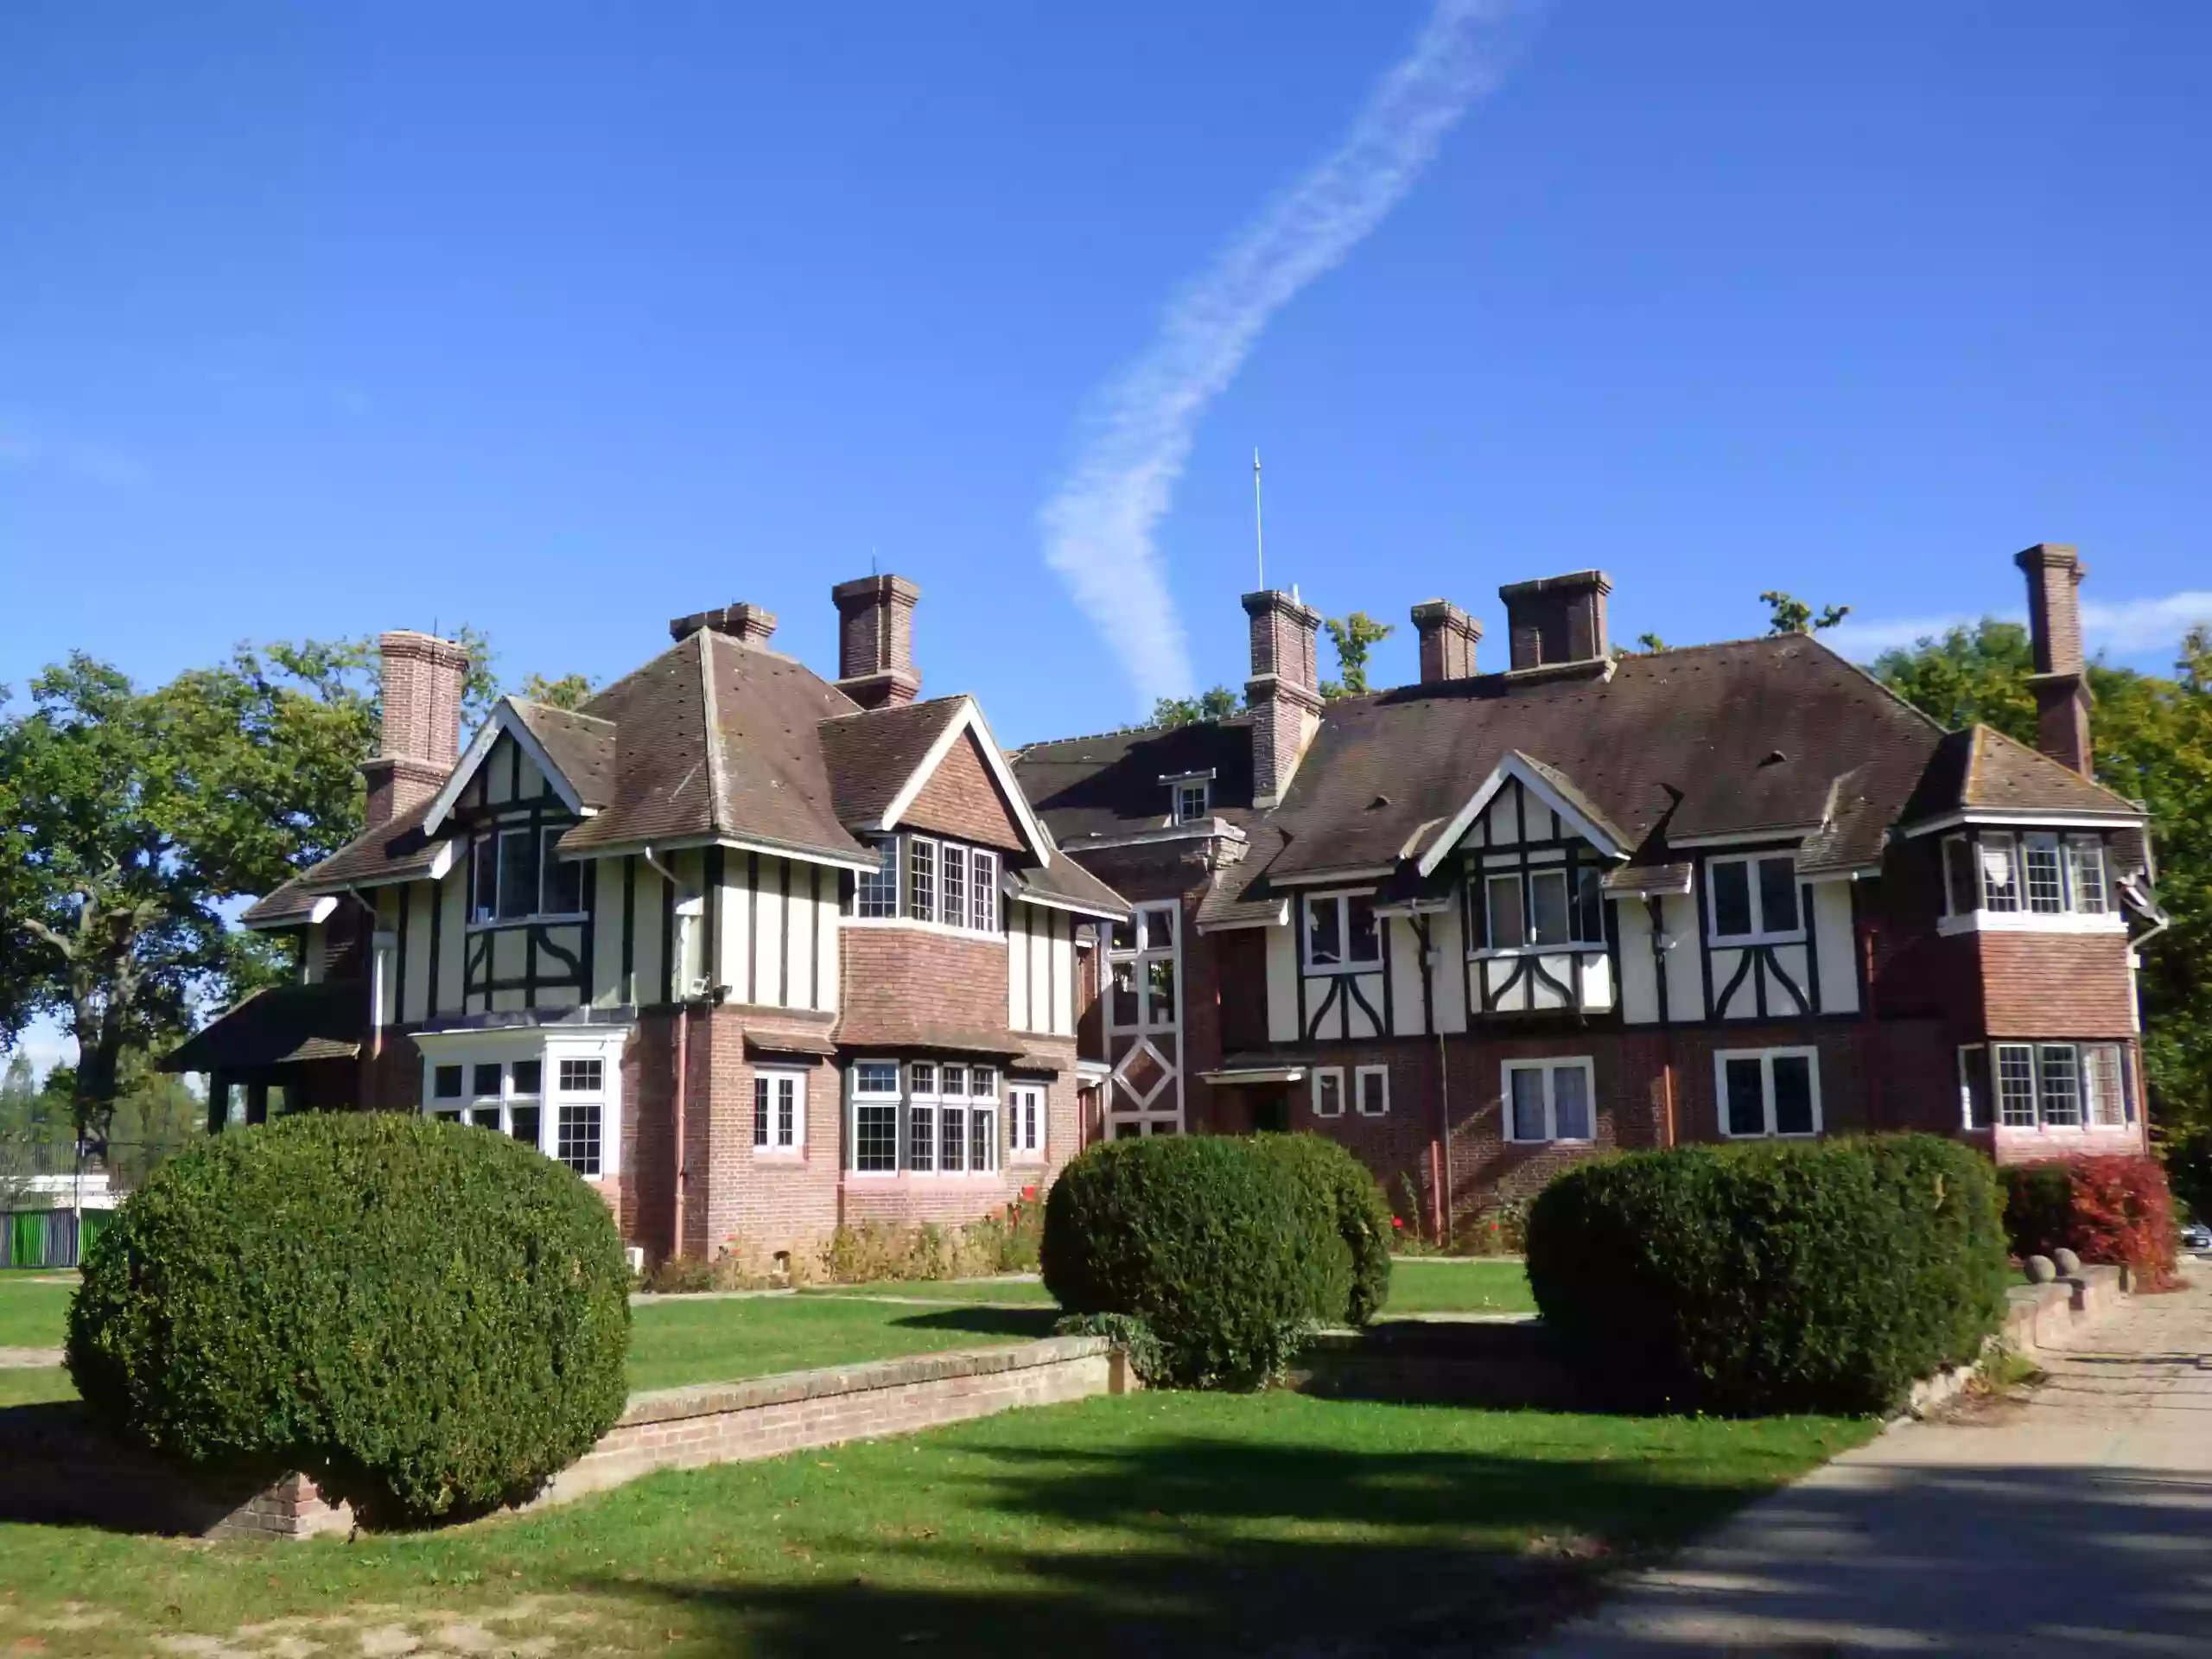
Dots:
{"x": 985, "y": 1320}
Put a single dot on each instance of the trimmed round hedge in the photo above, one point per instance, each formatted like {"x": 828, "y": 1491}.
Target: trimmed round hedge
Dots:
{"x": 1363, "y": 1219}
{"x": 430, "y": 1320}
{"x": 1228, "y": 1248}
{"x": 1826, "y": 1277}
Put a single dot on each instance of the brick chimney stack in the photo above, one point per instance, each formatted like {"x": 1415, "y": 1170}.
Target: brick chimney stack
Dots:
{"x": 2061, "y": 680}
{"x": 876, "y": 640}
{"x": 1448, "y": 637}
{"x": 748, "y": 624}
{"x": 1557, "y": 619}
{"x": 1284, "y": 692}
{"x": 424, "y": 677}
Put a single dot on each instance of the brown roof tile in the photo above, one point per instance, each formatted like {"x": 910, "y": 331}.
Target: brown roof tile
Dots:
{"x": 582, "y": 745}
{"x": 282, "y": 1025}
{"x": 872, "y": 753}
{"x": 1085, "y": 787}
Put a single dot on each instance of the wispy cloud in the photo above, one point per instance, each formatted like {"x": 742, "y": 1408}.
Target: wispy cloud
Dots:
{"x": 2128, "y": 627}
{"x": 93, "y": 463}
{"x": 1136, "y": 435}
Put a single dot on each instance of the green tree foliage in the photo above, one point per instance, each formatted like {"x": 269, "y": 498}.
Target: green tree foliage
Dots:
{"x": 2152, "y": 741}
{"x": 1790, "y": 614}
{"x": 569, "y": 691}
{"x": 131, "y": 819}
{"x": 1354, "y": 637}
{"x": 1219, "y": 703}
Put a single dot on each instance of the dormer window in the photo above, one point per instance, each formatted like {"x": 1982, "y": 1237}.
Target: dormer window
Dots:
{"x": 1753, "y": 899}
{"x": 938, "y": 883}
{"x": 1341, "y": 935}
{"x": 516, "y": 875}
{"x": 2036, "y": 873}
{"x": 1193, "y": 801}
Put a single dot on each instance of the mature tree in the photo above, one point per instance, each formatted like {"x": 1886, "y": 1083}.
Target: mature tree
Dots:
{"x": 1790, "y": 614}
{"x": 1219, "y": 703}
{"x": 130, "y": 818}
{"x": 1354, "y": 637}
{"x": 569, "y": 691}
{"x": 2153, "y": 738}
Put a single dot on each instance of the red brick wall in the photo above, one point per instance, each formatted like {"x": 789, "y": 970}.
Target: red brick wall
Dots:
{"x": 960, "y": 799}
{"x": 901, "y": 979}
{"x": 2056, "y": 984}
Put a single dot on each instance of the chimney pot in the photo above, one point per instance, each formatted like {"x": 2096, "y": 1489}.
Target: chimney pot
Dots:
{"x": 1284, "y": 693}
{"x": 2061, "y": 680}
{"x": 422, "y": 683}
{"x": 1557, "y": 619}
{"x": 876, "y": 640}
{"x": 1448, "y": 637}
{"x": 748, "y": 624}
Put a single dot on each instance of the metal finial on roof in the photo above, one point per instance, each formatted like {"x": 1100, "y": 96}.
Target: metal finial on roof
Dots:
{"x": 1259, "y": 535}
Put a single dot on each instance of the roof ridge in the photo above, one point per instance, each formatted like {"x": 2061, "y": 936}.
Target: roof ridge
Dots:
{"x": 717, "y": 773}
{"x": 901, "y": 708}
{"x": 556, "y": 709}
{"x": 1132, "y": 731}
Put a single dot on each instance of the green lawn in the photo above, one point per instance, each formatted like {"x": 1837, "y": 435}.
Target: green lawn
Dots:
{"x": 1452, "y": 1286}
{"x": 32, "y": 1313}
{"x": 996, "y": 1293}
{"x": 709, "y": 1341}
{"x": 1153, "y": 1523}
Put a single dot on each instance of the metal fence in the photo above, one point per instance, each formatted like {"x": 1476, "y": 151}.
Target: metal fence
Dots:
{"x": 55, "y": 1195}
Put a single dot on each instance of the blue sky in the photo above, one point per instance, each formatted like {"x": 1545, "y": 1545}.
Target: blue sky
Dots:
{"x": 561, "y": 320}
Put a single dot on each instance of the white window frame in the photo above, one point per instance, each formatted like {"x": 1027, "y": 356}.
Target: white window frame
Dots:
{"x": 2090, "y": 1107}
{"x": 857, "y": 1098}
{"x": 983, "y": 891}
{"x": 877, "y": 894}
{"x": 2084, "y": 877}
{"x": 493, "y": 839}
{"x": 904, "y": 896}
{"x": 1185, "y": 789}
{"x": 923, "y": 1092}
{"x": 923, "y": 889}
{"x": 548, "y": 1046}
{"x": 1026, "y": 1128}
{"x": 1767, "y": 1057}
{"x": 1333, "y": 1074}
{"x": 2084, "y": 853}
{"x": 772, "y": 1079}
{"x": 2101, "y": 1091}
{"x": 1140, "y": 959}
{"x": 1341, "y": 898}
{"x": 2004, "y": 844}
{"x": 1760, "y": 933}
{"x": 1361, "y": 1076}
{"x": 1973, "y": 1057}
{"x": 1545, "y": 1068}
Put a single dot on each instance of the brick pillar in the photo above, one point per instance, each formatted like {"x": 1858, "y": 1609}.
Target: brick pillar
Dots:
{"x": 2061, "y": 680}
{"x": 1448, "y": 637}
{"x": 1284, "y": 692}
{"x": 1557, "y": 619}
{"x": 423, "y": 678}
{"x": 876, "y": 640}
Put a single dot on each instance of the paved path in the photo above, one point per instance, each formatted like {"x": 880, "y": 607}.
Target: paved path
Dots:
{"x": 2076, "y": 1523}
{"x": 12, "y": 1359}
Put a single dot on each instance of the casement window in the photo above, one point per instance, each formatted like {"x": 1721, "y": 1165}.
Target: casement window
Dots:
{"x": 1548, "y": 1100}
{"x": 1141, "y": 965}
{"x": 1536, "y": 907}
{"x": 875, "y": 893}
{"x": 1370, "y": 1092}
{"x": 499, "y": 1081}
{"x": 779, "y": 1111}
{"x": 2061, "y": 1086}
{"x": 1025, "y": 1122}
{"x": 1976, "y": 1109}
{"x": 1753, "y": 899}
{"x": 1193, "y": 800}
{"x": 1341, "y": 934}
{"x": 1769, "y": 1091}
{"x": 951, "y": 1114}
{"x": 1328, "y": 1087}
{"x": 923, "y": 879}
{"x": 515, "y": 876}
{"x": 2038, "y": 873}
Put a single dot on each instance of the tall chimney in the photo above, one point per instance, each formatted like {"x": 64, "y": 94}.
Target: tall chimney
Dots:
{"x": 876, "y": 640}
{"x": 2061, "y": 680}
{"x": 1557, "y": 619}
{"x": 424, "y": 677}
{"x": 1284, "y": 692}
{"x": 748, "y": 624}
{"x": 1448, "y": 637}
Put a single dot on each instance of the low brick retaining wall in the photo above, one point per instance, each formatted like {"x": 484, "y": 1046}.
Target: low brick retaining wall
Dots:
{"x": 2047, "y": 1316}
{"x": 1499, "y": 1364}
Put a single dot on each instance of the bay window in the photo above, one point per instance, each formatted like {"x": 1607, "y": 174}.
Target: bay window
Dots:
{"x": 926, "y": 879}
{"x": 949, "y": 1114}
{"x": 2032, "y": 873}
{"x": 2061, "y": 1086}
{"x": 500, "y": 1081}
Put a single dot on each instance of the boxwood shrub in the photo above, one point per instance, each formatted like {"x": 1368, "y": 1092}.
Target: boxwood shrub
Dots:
{"x": 1824, "y": 1276}
{"x": 1219, "y": 1245}
{"x": 1363, "y": 1219}
{"x": 429, "y": 1320}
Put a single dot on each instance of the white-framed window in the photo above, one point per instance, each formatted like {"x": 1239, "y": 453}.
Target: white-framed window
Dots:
{"x": 983, "y": 894}
{"x": 1193, "y": 800}
{"x": 921, "y": 879}
{"x": 2085, "y": 868}
{"x": 1141, "y": 956}
{"x": 1769, "y": 1091}
{"x": 1536, "y": 907}
{"x": 1328, "y": 1087}
{"x": 1371, "y": 1091}
{"x": 1342, "y": 935}
{"x": 953, "y": 904}
{"x": 1549, "y": 1100}
{"x": 875, "y": 893}
{"x": 2000, "y": 873}
{"x": 2045, "y": 872}
{"x": 1752, "y": 898}
{"x": 2023, "y": 877}
{"x": 1025, "y": 1122}
{"x": 875, "y": 1086}
{"x": 779, "y": 1111}
{"x": 1975, "y": 1110}
{"x": 2061, "y": 1085}
{"x": 515, "y": 876}
{"x": 556, "y": 1090}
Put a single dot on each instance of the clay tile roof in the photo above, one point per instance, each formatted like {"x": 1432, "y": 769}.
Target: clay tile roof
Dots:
{"x": 1982, "y": 767}
{"x": 283, "y": 1025}
{"x": 581, "y": 745}
{"x": 872, "y": 753}
{"x": 1110, "y": 785}
{"x": 1068, "y": 883}
{"x": 396, "y": 851}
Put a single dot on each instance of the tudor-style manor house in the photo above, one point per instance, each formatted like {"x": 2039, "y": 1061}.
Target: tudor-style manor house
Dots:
{"x": 758, "y": 952}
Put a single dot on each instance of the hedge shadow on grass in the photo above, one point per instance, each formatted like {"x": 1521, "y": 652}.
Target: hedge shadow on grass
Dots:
{"x": 985, "y": 1321}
